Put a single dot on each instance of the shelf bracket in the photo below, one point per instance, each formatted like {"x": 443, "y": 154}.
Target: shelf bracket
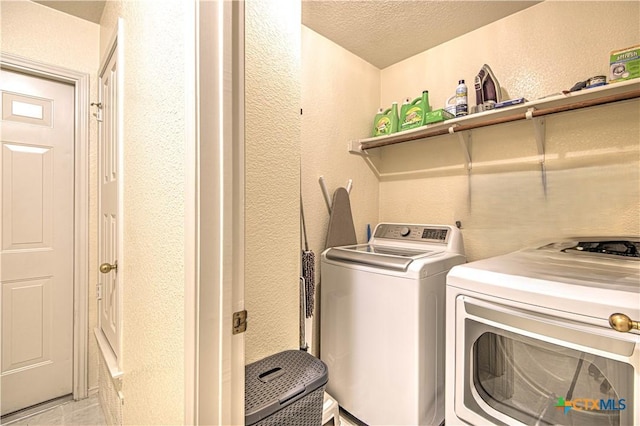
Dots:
{"x": 464, "y": 137}
{"x": 355, "y": 147}
{"x": 538, "y": 131}
{"x": 540, "y": 135}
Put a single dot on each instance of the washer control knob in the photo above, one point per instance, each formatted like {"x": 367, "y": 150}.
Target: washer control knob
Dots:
{"x": 404, "y": 231}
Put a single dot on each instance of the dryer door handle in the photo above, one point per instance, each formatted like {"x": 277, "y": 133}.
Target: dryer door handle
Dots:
{"x": 622, "y": 323}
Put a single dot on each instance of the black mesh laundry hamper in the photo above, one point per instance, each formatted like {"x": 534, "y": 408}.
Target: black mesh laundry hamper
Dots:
{"x": 285, "y": 389}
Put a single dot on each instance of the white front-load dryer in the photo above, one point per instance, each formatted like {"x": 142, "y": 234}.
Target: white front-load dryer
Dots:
{"x": 382, "y": 322}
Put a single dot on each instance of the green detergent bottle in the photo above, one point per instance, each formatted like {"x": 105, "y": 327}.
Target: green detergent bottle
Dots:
{"x": 386, "y": 122}
{"x": 413, "y": 114}
{"x": 403, "y": 110}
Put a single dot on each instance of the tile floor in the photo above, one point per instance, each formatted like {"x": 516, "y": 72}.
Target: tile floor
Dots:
{"x": 85, "y": 412}
{"x": 88, "y": 412}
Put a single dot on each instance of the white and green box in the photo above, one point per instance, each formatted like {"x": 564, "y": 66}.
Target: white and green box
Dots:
{"x": 437, "y": 115}
{"x": 624, "y": 64}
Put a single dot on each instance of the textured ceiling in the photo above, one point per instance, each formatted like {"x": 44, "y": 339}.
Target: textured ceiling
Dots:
{"x": 384, "y": 32}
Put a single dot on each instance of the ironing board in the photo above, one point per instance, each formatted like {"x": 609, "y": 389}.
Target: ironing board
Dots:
{"x": 341, "y": 231}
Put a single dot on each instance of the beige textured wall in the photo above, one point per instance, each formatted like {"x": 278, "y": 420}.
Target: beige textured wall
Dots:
{"x": 154, "y": 176}
{"x": 45, "y": 35}
{"x": 340, "y": 94}
{"x": 592, "y": 156}
{"x": 536, "y": 52}
{"x": 272, "y": 175}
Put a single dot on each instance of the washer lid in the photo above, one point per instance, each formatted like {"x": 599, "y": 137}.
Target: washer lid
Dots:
{"x": 388, "y": 257}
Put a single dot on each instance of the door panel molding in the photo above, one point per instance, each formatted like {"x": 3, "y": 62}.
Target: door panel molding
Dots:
{"x": 80, "y": 81}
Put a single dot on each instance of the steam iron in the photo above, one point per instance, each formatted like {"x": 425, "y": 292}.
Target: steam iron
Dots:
{"x": 487, "y": 89}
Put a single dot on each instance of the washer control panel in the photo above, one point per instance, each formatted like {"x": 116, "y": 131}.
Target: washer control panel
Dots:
{"x": 417, "y": 233}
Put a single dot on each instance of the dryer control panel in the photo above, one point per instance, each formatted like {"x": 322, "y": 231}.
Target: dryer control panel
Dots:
{"x": 417, "y": 233}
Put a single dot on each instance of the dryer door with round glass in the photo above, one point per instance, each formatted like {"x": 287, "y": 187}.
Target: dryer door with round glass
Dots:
{"x": 521, "y": 367}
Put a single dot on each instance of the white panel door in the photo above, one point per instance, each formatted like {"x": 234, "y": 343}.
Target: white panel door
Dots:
{"x": 36, "y": 274}
{"x": 109, "y": 311}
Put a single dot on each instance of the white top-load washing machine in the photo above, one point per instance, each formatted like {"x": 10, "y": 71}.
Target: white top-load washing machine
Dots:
{"x": 382, "y": 322}
{"x": 546, "y": 335}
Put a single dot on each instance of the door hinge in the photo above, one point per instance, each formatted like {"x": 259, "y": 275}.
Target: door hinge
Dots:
{"x": 98, "y": 114}
{"x": 99, "y": 292}
{"x": 239, "y": 322}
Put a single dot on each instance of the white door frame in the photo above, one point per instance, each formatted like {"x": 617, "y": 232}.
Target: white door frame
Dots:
{"x": 80, "y": 81}
{"x": 214, "y": 213}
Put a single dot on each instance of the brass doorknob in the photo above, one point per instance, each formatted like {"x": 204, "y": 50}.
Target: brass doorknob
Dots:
{"x": 105, "y": 268}
{"x": 622, "y": 323}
